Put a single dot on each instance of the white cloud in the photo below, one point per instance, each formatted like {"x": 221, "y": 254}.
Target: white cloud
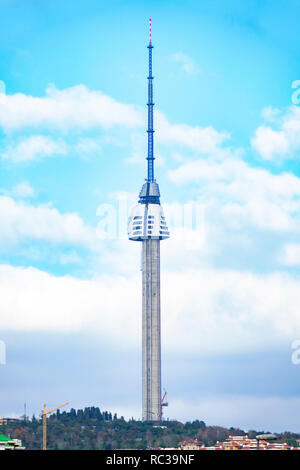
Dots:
{"x": 23, "y": 190}
{"x": 283, "y": 141}
{"x": 72, "y": 107}
{"x": 202, "y": 139}
{"x": 70, "y": 258}
{"x": 243, "y": 195}
{"x": 290, "y": 255}
{"x": 213, "y": 311}
{"x": 34, "y": 147}
{"x": 87, "y": 146}
{"x": 270, "y": 143}
{"x": 187, "y": 63}
{"x": 228, "y": 310}
{"x": 270, "y": 114}
{"x": 20, "y": 221}
{"x": 48, "y": 303}
{"x": 78, "y": 107}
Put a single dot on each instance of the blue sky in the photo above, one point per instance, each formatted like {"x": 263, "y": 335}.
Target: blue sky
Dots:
{"x": 72, "y": 156}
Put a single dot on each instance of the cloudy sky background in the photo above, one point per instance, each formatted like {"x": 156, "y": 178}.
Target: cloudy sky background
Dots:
{"x": 72, "y": 156}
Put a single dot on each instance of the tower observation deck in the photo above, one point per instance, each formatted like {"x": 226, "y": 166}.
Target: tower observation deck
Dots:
{"x": 147, "y": 224}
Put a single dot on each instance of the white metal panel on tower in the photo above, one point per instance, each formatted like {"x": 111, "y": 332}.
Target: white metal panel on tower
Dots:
{"x": 147, "y": 221}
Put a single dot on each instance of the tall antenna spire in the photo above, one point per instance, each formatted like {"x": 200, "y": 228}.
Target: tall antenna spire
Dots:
{"x": 150, "y": 104}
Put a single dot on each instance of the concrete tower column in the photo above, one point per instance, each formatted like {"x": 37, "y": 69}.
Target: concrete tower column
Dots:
{"x": 151, "y": 330}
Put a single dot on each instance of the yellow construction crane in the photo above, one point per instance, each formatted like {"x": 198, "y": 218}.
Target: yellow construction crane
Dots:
{"x": 44, "y": 414}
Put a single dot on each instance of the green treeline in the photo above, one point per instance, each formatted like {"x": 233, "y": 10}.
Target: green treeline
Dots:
{"x": 92, "y": 429}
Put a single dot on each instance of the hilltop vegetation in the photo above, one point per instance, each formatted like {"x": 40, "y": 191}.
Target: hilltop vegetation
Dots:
{"x": 92, "y": 429}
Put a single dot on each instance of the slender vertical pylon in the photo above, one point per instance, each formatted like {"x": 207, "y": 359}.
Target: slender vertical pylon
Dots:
{"x": 147, "y": 224}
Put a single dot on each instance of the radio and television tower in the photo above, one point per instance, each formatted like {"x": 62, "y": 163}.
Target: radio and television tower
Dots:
{"x": 147, "y": 224}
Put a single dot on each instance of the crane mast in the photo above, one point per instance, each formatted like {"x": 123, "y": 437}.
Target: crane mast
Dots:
{"x": 44, "y": 415}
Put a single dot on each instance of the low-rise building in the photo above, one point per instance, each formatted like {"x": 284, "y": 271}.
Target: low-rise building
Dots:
{"x": 6, "y": 443}
{"x": 8, "y": 420}
{"x": 190, "y": 444}
{"x": 236, "y": 443}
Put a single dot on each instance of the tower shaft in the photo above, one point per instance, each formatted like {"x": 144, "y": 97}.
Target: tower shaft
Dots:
{"x": 151, "y": 330}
